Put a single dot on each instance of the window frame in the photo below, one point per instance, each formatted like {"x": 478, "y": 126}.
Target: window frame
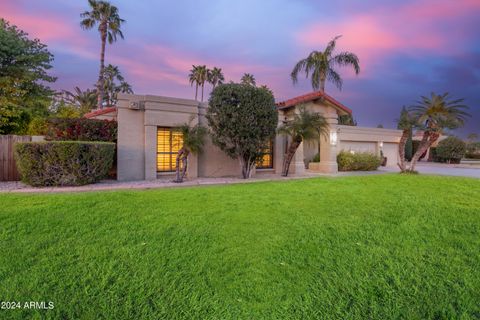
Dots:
{"x": 271, "y": 153}
{"x": 172, "y": 153}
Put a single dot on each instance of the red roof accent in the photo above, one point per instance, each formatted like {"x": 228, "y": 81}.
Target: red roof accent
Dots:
{"x": 311, "y": 97}
{"x": 100, "y": 112}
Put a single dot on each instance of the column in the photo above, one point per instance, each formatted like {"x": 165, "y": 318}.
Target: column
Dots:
{"x": 328, "y": 145}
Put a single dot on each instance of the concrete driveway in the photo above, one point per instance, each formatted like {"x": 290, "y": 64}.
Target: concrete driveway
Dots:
{"x": 459, "y": 170}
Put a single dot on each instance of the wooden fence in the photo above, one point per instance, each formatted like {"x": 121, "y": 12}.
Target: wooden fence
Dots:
{"x": 8, "y": 168}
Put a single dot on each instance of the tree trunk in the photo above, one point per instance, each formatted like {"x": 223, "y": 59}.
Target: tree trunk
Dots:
{"x": 202, "y": 91}
{"x": 100, "y": 83}
{"x": 182, "y": 156}
{"x": 289, "y": 155}
{"x": 323, "y": 79}
{"x": 427, "y": 140}
{"x": 196, "y": 91}
{"x": 401, "y": 150}
{"x": 247, "y": 166}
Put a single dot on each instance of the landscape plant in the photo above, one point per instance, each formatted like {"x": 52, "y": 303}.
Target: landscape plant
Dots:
{"x": 63, "y": 163}
{"x": 106, "y": 16}
{"x": 193, "y": 140}
{"x": 304, "y": 126}
{"x": 321, "y": 66}
{"x": 358, "y": 161}
{"x": 80, "y": 129}
{"x": 450, "y": 150}
{"x": 242, "y": 118}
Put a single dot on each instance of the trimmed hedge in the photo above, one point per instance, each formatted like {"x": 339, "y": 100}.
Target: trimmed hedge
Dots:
{"x": 358, "y": 161}
{"x": 63, "y": 163}
{"x": 81, "y": 129}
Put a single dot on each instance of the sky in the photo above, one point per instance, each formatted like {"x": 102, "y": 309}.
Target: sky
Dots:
{"x": 407, "y": 48}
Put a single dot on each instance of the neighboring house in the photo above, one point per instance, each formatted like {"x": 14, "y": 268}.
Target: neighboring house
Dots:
{"x": 148, "y": 142}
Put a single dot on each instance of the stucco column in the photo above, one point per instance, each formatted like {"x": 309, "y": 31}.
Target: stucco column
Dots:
{"x": 150, "y": 152}
{"x": 299, "y": 163}
{"x": 328, "y": 148}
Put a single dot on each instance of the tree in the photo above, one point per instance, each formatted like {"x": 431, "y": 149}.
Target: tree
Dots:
{"x": 248, "y": 79}
{"x": 198, "y": 76}
{"x": 242, "y": 119}
{"x": 84, "y": 100}
{"x": 433, "y": 115}
{"x": 109, "y": 23}
{"x": 347, "y": 120}
{"x": 451, "y": 149}
{"x": 114, "y": 83}
{"x": 24, "y": 65}
{"x": 215, "y": 77}
{"x": 472, "y": 137}
{"x": 405, "y": 123}
{"x": 304, "y": 126}
{"x": 320, "y": 65}
{"x": 193, "y": 141}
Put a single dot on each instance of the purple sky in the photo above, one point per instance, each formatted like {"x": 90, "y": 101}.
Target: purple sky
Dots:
{"x": 406, "y": 48}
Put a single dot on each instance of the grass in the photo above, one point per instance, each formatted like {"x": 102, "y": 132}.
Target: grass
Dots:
{"x": 378, "y": 247}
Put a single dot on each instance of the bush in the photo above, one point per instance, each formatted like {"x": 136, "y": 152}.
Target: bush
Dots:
{"x": 358, "y": 161}
{"x": 63, "y": 163}
{"x": 81, "y": 129}
{"x": 316, "y": 157}
{"x": 473, "y": 150}
{"x": 450, "y": 150}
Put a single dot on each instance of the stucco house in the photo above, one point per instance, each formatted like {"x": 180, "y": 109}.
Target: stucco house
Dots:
{"x": 148, "y": 142}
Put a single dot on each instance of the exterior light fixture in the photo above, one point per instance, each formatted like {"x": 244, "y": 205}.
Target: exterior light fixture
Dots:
{"x": 381, "y": 145}
{"x": 333, "y": 138}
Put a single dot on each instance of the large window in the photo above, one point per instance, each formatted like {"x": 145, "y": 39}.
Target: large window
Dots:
{"x": 266, "y": 161}
{"x": 169, "y": 141}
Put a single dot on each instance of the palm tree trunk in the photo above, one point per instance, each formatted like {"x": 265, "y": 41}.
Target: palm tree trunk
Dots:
{"x": 196, "y": 91}
{"x": 289, "y": 155}
{"x": 203, "y": 85}
{"x": 323, "y": 79}
{"x": 401, "y": 150}
{"x": 427, "y": 140}
{"x": 102, "y": 67}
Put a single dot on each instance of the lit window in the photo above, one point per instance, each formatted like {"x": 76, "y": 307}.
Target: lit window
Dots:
{"x": 266, "y": 161}
{"x": 169, "y": 141}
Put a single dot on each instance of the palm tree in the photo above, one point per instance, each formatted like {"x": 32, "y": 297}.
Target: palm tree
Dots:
{"x": 85, "y": 101}
{"x": 215, "y": 77}
{"x": 109, "y": 23}
{"x": 111, "y": 75}
{"x": 248, "y": 79}
{"x": 125, "y": 87}
{"x": 193, "y": 140}
{"x": 433, "y": 115}
{"x": 198, "y": 75}
{"x": 304, "y": 126}
{"x": 320, "y": 65}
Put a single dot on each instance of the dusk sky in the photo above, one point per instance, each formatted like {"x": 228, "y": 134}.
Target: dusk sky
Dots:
{"x": 406, "y": 48}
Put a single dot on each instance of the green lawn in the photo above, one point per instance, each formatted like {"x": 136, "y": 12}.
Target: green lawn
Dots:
{"x": 378, "y": 247}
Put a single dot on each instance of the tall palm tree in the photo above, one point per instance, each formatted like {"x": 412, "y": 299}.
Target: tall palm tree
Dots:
{"x": 111, "y": 77}
{"x": 109, "y": 23}
{"x": 320, "y": 66}
{"x": 193, "y": 141}
{"x": 433, "y": 115}
{"x": 85, "y": 101}
{"x": 248, "y": 79}
{"x": 215, "y": 77}
{"x": 193, "y": 79}
{"x": 202, "y": 72}
{"x": 304, "y": 126}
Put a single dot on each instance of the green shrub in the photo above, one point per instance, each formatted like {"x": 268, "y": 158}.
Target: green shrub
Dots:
{"x": 316, "y": 157}
{"x": 450, "y": 150}
{"x": 63, "y": 163}
{"x": 358, "y": 161}
{"x": 81, "y": 129}
{"x": 473, "y": 150}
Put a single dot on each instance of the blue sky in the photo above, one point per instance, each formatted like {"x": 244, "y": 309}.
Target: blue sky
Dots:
{"x": 406, "y": 48}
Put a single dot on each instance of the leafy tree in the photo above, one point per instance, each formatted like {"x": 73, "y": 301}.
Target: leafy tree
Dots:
{"x": 215, "y": 77}
{"x": 320, "y": 66}
{"x": 347, "y": 120}
{"x": 248, "y": 79}
{"x": 114, "y": 83}
{"x": 433, "y": 115}
{"x": 193, "y": 141}
{"x": 242, "y": 119}
{"x": 304, "y": 126}
{"x": 24, "y": 65}
{"x": 405, "y": 147}
{"x": 109, "y": 25}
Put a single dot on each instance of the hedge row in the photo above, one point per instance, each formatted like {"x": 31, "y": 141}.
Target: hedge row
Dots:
{"x": 81, "y": 129}
{"x": 358, "y": 161}
{"x": 63, "y": 163}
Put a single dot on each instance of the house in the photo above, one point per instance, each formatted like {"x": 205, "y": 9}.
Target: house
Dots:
{"x": 148, "y": 142}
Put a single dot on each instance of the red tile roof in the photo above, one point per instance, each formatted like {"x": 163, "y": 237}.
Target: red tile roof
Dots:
{"x": 311, "y": 97}
{"x": 100, "y": 112}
